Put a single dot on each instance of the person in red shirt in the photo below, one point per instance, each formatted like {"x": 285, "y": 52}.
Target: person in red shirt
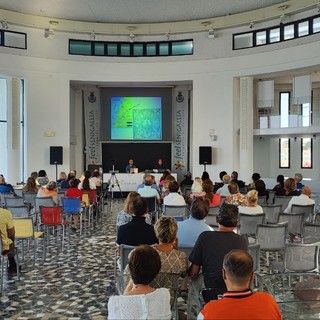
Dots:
{"x": 239, "y": 302}
{"x": 74, "y": 192}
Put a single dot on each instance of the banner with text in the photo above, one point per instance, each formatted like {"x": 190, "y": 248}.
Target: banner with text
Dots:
{"x": 92, "y": 126}
{"x": 180, "y": 133}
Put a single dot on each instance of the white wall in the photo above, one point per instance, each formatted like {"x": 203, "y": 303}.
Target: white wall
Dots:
{"x": 213, "y": 105}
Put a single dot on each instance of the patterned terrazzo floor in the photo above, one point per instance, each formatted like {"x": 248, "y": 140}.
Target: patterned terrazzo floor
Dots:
{"x": 73, "y": 284}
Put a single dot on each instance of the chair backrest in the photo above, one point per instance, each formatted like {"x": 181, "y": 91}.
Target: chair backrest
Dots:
{"x": 51, "y": 215}
{"x": 310, "y": 232}
{"x": 271, "y": 237}
{"x": 43, "y": 201}
{"x": 272, "y": 212}
{"x": 211, "y": 218}
{"x": 177, "y": 212}
{"x": 152, "y": 203}
{"x": 308, "y": 211}
{"x": 124, "y": 251}
{"x": 248, "y": 223}
{"x": 254, "y": 251}
{"x": 18, "y": 192}
{"x": 19, "y": 211}
{"x": 294, "y": 220}
{"x": 284, "y": 200}
{"x": 271, "y": 197}
{"x": 30, "y": 197}
{"x": 23, "y": 228}
{"x": 92, "y": 194}
{"x": 186, "y": 190}
{"x": 61, "y": 194}
{"x": 262, "y": 200}
{"x": 187, "y": 249}
{"x": 301, "y": 257}
{"x": 71, "y": 205}
{"x": 2, "y": 195}
{"x": 13, "y": 201}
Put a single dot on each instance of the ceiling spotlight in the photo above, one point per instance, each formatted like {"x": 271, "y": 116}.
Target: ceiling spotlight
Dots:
{"x": 167, "y": 36}
{"x": 251, "y": 25}
{"x": 49, "y": 33}
{"x": 131, "y": 36}
{"x": 4, "y": 24}
{"x": 283, "y": 18}
{"x": 93, "y": 35}
{"x": 211, "y": 33}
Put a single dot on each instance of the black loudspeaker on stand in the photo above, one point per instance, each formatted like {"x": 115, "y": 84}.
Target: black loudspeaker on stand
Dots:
{"x": 205, "y": 156}
{"x": 56, "y": 157}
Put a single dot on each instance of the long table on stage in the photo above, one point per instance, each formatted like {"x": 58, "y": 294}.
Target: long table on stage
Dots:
{"x": 129, "y": 181}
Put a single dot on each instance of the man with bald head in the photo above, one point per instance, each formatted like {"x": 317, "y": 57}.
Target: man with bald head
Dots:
{"x": 147, "y": 190}
{"x": 303, "y": 200}
{"x": 239, "y": 302}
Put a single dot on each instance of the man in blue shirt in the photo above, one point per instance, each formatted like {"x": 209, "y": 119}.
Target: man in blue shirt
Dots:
{"x": 130, "y": 166}
{"x": 189, "y": 230}
{"x": 5, "y": 187}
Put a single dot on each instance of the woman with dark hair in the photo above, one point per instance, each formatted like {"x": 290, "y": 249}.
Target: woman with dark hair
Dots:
{"x": 140, "y": 300}
{"x": 96, "y": 178}
{"x": 42, "y": 179}
{"x": 279, "y": 187}
{"x": 87, "y": 183}
{"x": 205, "y": 176}
{"x": 164, "y": 176}
{"x": 260, "y": 186}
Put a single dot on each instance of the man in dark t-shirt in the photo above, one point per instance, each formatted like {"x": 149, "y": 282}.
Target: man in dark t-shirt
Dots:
{"x": 211, "y": 247}
{"x": 137, "y": 231}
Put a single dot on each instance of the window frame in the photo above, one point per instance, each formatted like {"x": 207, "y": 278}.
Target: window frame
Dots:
{"x": 289, "y": 152}
{"x": 311, "y": 154}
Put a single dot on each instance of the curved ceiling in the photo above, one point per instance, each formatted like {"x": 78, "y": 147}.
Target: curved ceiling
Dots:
{"x": 135, "y": 11}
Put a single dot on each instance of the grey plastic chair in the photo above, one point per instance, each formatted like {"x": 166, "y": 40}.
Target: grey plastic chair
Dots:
{"x": 211, "y": 218}
{"x": 254, "y": 251}
{"x": 294, "y": 220}
{"x": 121, "y": 259}
{"x": 262, "y": 200}
{"x": 19, "y": 211}
{"x": 248, "y": 223}
{"x": 310, "y": 232}
{"x": 177, "y": 212}
{"x": 308, "y": 211}
{"x": 13, "y": 201}
{"x": 272, "y": 212}
{"x": 271, "y": 238}
{"x": 283, "y": 200}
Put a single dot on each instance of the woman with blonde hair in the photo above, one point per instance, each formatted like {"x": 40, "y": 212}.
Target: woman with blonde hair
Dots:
{"x": 30, "y": 186}
{"x": 172, "y": 260}
{"x": 290, "y": 187}
{"x": 252, "y": 206}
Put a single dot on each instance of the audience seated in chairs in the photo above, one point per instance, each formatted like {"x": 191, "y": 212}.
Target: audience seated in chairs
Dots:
{"x": 196, "y": 189}
{"x": 74, "y": 192}
{"x": 147, "y": 190}
{"x": 299, "y": 185}
{"x": 140, "y": 300}
{"x": 174, "y": 198}
{"x": 255, "y": 177}
{"x": 252, "y": 206}
{"x": 96, "y": 178}
{"x": 62, "y": 177}
{"x": 30, "y": 186}
{"x": 172, "y": 260}
{"x": 165, "y": 187}
{"x": 211, "y": 247}
{"x": 234, "y": 178}
{"x": 239, "y": 302}
{"x": 7, "y": 234}
{"x": 137, "y": 231}
{"x": 220, "y": 184}
{"x": 189, "y": 230}
{"x": 235, "y": 197}
{"x": 153, "y": 185}
{"x": 50, "y": 190}
{"x": 87, "y": 183}
{"x": 279, "y": 187}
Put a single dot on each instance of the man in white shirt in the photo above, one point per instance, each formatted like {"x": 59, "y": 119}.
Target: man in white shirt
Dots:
{"x": 303, "y": 199}
{"x": 147, "y": 190}
{"x": 224, "y": 191}
{"x": 174, "y": 198}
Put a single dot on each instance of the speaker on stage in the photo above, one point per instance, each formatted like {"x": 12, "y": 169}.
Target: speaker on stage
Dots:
{"x": 205, "y": 155}
{"x": 56, "y": 155}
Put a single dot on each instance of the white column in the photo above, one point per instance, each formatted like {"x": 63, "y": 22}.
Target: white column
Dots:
{"x": 246, "y": 128}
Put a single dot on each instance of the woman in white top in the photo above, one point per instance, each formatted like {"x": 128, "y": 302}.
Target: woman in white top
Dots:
{"x": 140, "y": 301}
{"x": 252, "y": 206}
{"x": 87, "y": 183}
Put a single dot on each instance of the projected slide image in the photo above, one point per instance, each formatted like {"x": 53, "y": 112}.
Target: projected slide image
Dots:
{"x": 136, "y": 118}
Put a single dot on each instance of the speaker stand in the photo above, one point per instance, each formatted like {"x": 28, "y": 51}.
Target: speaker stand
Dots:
{"x": 205, "y": 166}
{"x": 56, "y": 164}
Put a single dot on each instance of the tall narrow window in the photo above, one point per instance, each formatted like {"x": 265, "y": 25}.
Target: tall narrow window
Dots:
{"x": 306, "y": 114}
{"x": 306, "y": 153}
{"x": 284, "y": 109}
{"x": 284, "y": 153}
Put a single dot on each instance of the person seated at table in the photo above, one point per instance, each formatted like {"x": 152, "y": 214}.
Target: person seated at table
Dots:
{"x": 87, "y": 183}
{"x": 129, "y": 166}
{"x": 30, "y": 186}
{"x": 140, "y": 300}
{"x": 42, "y": 179}
{"x": 74, "y": 192}
{"x": 239, "y": 302}
{"x": 251, "y": 206}
{"x": 279, "y": 187}
{"x": 159, "y": 167}
{"x": 5, "y": 187}
{"x": 189, "y": 230}
{"x": 50, "y": 190}
{"x": 174, "y": 198}
{"x": 172, "y": 260}
{"x": 235, "y": 197}
{"x": 290, "y": 187}
{"x": 137, "y": 231}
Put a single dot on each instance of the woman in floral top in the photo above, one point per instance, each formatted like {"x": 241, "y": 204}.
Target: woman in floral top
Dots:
{"x": 235, "y": 198}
